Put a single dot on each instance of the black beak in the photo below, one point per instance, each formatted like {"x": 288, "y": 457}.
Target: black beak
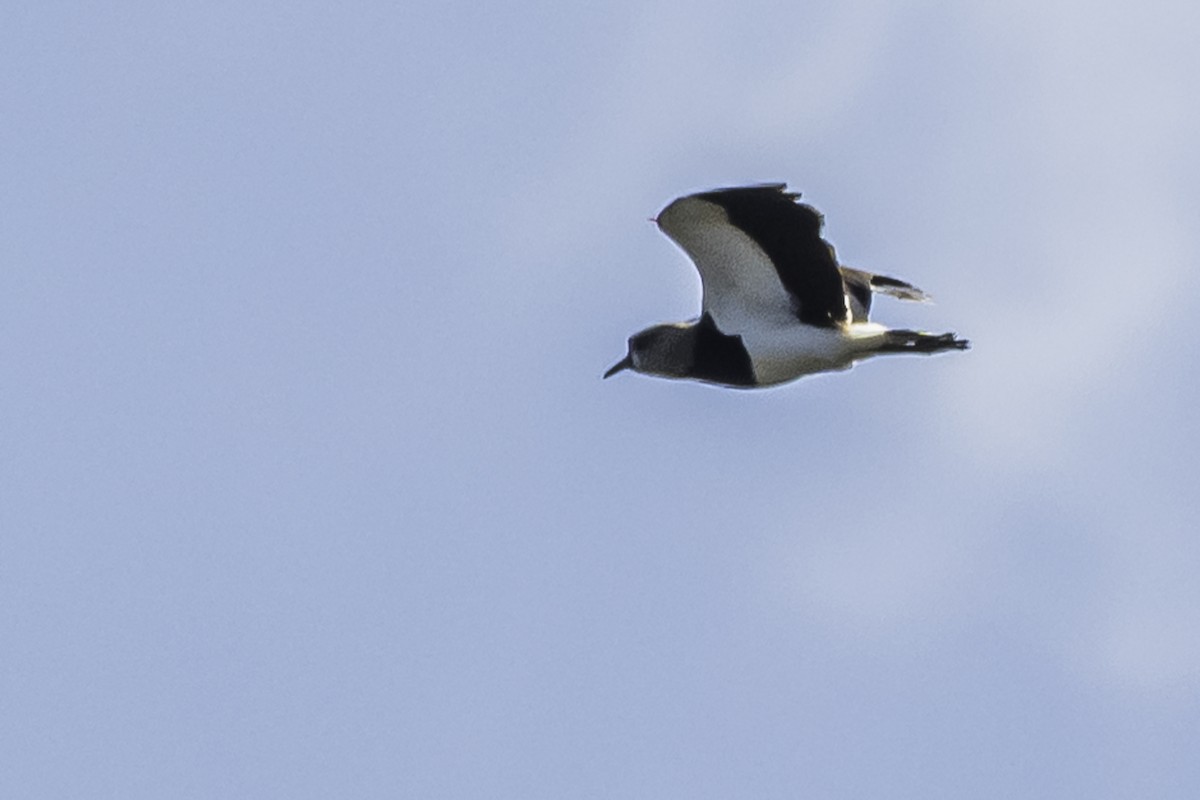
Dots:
{"x": 624, "y": 363}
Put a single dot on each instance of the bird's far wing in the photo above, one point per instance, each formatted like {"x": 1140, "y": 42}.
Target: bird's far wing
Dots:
{"x": 759, "y": 253}
{"x": 860, "y": 285}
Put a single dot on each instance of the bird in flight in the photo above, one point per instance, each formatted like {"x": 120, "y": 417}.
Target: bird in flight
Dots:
{"x": 777, "y": 304}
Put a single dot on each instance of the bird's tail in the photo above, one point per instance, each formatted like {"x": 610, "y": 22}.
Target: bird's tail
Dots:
{"x": 903, "y": 341}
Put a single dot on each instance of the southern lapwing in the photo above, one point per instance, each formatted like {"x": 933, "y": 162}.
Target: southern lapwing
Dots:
{"x": 777, "y": 305}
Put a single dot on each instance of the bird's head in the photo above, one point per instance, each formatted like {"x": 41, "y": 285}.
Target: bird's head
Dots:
{"x": 667, "y": 350}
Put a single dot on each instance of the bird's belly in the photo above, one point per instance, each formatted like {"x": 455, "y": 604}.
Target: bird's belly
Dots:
{"x": 784, "y": 354}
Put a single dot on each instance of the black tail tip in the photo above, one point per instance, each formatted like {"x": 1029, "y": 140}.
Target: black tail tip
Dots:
{"x": 944, "y": 341}
{"x": 904, "y": 341}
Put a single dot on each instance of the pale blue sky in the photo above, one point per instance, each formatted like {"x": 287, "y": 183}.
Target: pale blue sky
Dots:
{"x": 310, "y": 486}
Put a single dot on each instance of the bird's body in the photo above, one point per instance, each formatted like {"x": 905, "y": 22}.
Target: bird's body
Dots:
{"x": 780, "y": 354}
{"x": 777, "y": 305}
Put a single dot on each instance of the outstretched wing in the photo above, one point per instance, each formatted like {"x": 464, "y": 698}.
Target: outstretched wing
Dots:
{"x": 759, "y": 254}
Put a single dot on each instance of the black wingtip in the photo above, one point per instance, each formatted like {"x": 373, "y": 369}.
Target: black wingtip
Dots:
{"x": 768, "y": 187}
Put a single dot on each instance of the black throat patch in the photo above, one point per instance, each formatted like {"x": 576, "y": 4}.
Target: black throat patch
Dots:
{"x": 719, "y": 358}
